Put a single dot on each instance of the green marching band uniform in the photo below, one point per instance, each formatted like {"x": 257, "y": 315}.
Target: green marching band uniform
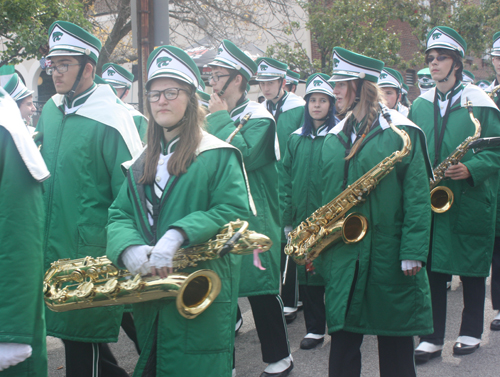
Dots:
{"x": 462, "y": 237}
{"x": 171, "y": 344}
{"x": 21, "y": 257}
{"x": 390, "y": 78}
{"x": 120, "y": 78}
{"x": 83, "y": 141}
{"x": 495, "y": 52}
{"x": 258, "y": 145}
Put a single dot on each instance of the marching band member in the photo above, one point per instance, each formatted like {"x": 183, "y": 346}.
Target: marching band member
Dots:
{"x": 425, "y": 81}
{"x": 121, "y": 80}
{"x": 85, "y": 136}
{"x": 483, "y": 84}
{"x": 302, "y": 184}
{"x": 24, "y": 99}
{"x": 404, "y": 96}
{"x": 391, "y": 83}
{"x": 462, "y": 237}
{"x": 468, "y": 77}
{"x": 375, "y": 286}
{"x": 292, "y": 80}
{"x": 288, "y": 112}
{"x": 179, "y": 192}
{"x": 495, "y": 62}
{"x": 23, "y": 350}
{"x": 231, "y": 70}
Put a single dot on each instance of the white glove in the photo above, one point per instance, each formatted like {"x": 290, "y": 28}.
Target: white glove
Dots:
{"x": 163, "y": 252}
{"x": 13, "y": 353}
{"x": 135, "y": 258}
{"x": 287, "y": 230}
{"x": 407, "y": 265}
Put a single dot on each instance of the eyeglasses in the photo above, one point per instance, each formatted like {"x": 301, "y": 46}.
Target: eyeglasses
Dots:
{"x": 440, "y": 58}
{"x": 169, "y": 94}
{"x": 215, "y": 77}
{"x": 61, "y": 68}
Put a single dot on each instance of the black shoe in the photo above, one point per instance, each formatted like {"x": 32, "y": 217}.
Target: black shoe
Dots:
{"x": 310, "y": 343}
{"x": 290, "y": 317}
{"x": 495, "y": 325}
{"x": 464, "y": 349}
{"x": 285, "y": 373}
{"x": 238, "y": 326}
{"x": 422, "y": 357}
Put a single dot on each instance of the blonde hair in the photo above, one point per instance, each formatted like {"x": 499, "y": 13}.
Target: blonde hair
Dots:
{"x": 368, "y": 109}
{"x": 190, "y": 137}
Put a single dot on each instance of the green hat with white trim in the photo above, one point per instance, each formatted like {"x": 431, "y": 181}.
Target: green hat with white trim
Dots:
{"x": 292, "y": 78}
{"x": 99, "y": 80}
{"x": 231, "y": 57}
{"x": 318, "y": 83}
{"x": 495, "y": 50}
{"x": 66, "y": 38}
{"x": 203, "y": 98}
{"x": 447, "y": 38}
{"x": 348, "y": 65}
{"x": 16, "y": 89}
{"x": 172, "y": 62}
{"x": 468, "y": 76}
{"x": 390, "y": 78}
{"x": 425, "y": 81}
{"x": 405, "y": 89}
{"x": 117, "y": 76}
{"x": 269, "y": 69}
{"x": 483, "y": 84}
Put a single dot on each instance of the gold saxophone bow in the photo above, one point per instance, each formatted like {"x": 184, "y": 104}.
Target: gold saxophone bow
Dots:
{"x": 95, "y": 282}
{"x": 328, "y": 224}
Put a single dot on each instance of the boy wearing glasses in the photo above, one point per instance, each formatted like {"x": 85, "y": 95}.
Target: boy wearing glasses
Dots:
{"x": 85, "y": 136}
{"x": 462, "y": 237}
{"x": 231, "y": 70}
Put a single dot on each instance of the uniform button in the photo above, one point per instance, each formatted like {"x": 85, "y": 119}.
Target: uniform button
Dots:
{"x": 160, "y": 162}
{"x": 158, "y": 179}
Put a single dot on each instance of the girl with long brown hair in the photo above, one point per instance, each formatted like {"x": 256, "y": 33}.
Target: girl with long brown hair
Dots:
{"x": 179, "y": 192}
{"x": 375, "y": 286}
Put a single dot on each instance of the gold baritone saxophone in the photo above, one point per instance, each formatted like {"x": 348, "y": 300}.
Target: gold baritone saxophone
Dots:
{"x": 328, "y": 224}
{"x": 493, "y": 93}
{"x": 95, "y": 282}
{"x": 442, "y": 196}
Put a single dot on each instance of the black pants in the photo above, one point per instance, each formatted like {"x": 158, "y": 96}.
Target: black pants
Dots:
{"x": 90, "y": 360}
{"x": 495, "y": 275}
{"x": 474, "y": 291}
{"x": 395, "y": 355}
{"x": 313, "y": 299}
{"x": 271, "y": 327}
{"x": 289, "y": 290}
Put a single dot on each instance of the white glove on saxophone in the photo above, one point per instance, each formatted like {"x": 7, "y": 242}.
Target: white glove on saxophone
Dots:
{"x": 13, "y": 353}
{"x": 407, "y": 265}
{"x": 136, "y": 259}
{"x": 163, "y": 252}
{"x": 287, "y": 230}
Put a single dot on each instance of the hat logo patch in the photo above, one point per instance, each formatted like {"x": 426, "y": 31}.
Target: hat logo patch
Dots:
{"x": 317, "y": 82}
{"x": 57, "y": 36}
{"x": 163, "y": 61}
{"x": 425, "y": 79}
{"x": 436, "y": 36}
{"x": 220, "y": 51}
{"x": 264, "y": 67}
{"x": 111, "y": 72}
{"x": 383, "y": 75}
{"x": 335, "y": 62}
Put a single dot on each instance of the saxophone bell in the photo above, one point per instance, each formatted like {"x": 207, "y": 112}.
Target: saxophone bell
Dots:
{"x": 441, "y": 199}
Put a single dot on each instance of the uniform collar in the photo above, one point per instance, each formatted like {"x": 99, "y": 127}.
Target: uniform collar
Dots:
{"x": 281, "y": 101}
{"x": 239, "y": 109}
{"x": 451, "y": 93}
{"x": 81, "y": 98}
{"x": 167, "y": 148}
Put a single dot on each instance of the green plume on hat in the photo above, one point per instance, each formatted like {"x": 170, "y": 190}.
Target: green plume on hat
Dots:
{"x": 447, "y": 38}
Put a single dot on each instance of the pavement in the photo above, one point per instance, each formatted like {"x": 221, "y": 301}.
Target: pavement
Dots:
{"x": 485, "y": 362}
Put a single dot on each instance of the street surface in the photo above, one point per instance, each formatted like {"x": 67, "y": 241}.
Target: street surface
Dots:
{"x": 485, "y": 362}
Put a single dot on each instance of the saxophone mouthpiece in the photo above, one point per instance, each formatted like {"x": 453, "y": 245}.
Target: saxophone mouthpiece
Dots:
{"x": 468, "y": 103}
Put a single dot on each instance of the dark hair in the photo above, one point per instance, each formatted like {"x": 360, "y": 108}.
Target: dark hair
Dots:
{"x": 189, "y": 139}
{"x": 307, "y": 125}
{"x": 243, "y": 84}
{"x": 457, "y": 59}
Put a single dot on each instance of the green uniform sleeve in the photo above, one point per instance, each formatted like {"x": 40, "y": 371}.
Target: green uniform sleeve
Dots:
{"x": 485, "y": 163}
{"x": 142, "y": 127}
{"x": 416, "y": 203}
{"x": 255, "y": 140}
{"x": 228, "y": 202}
{"x": 287, "y": 218}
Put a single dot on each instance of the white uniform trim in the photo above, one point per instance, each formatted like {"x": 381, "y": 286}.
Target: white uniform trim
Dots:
{"x": 102, "y": 107}
{"x": 134, "y": 112}
{"x": 474, "y": 93}
{"x": 11, "y": 120}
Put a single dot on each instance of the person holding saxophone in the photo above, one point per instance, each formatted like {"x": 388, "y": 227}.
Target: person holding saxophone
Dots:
{"x": 179, "y": 192}
{"x": 375, "y": 284}
{"x": 462, "y": 234}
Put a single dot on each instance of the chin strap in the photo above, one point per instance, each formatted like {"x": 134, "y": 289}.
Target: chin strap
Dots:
{"x": 449, "y": 73}
{"x": 71, "y": 93}
{"x": 279, "y": 89}
{"x": 232, "y": 75}
{"x": 123, "y": 94}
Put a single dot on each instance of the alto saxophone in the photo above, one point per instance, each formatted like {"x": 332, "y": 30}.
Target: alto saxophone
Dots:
{"x": 328, "y": 225}
{"x": 442, "y": 196}
{"x": 95, "y": 282}
{"x": 493, "y": 93}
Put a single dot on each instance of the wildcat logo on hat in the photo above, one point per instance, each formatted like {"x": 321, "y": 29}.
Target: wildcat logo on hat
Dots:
{"x": 436, "y": 36}
{"x": 383, "y": 75}
{"x": 57, "y": 36}
{"x": 111, "y": 72}
{"x": 264, "y": 67}
{"x": 336, "y": 63}
{"x": 163, "y": 61}
{"x": 317, "y": 82}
